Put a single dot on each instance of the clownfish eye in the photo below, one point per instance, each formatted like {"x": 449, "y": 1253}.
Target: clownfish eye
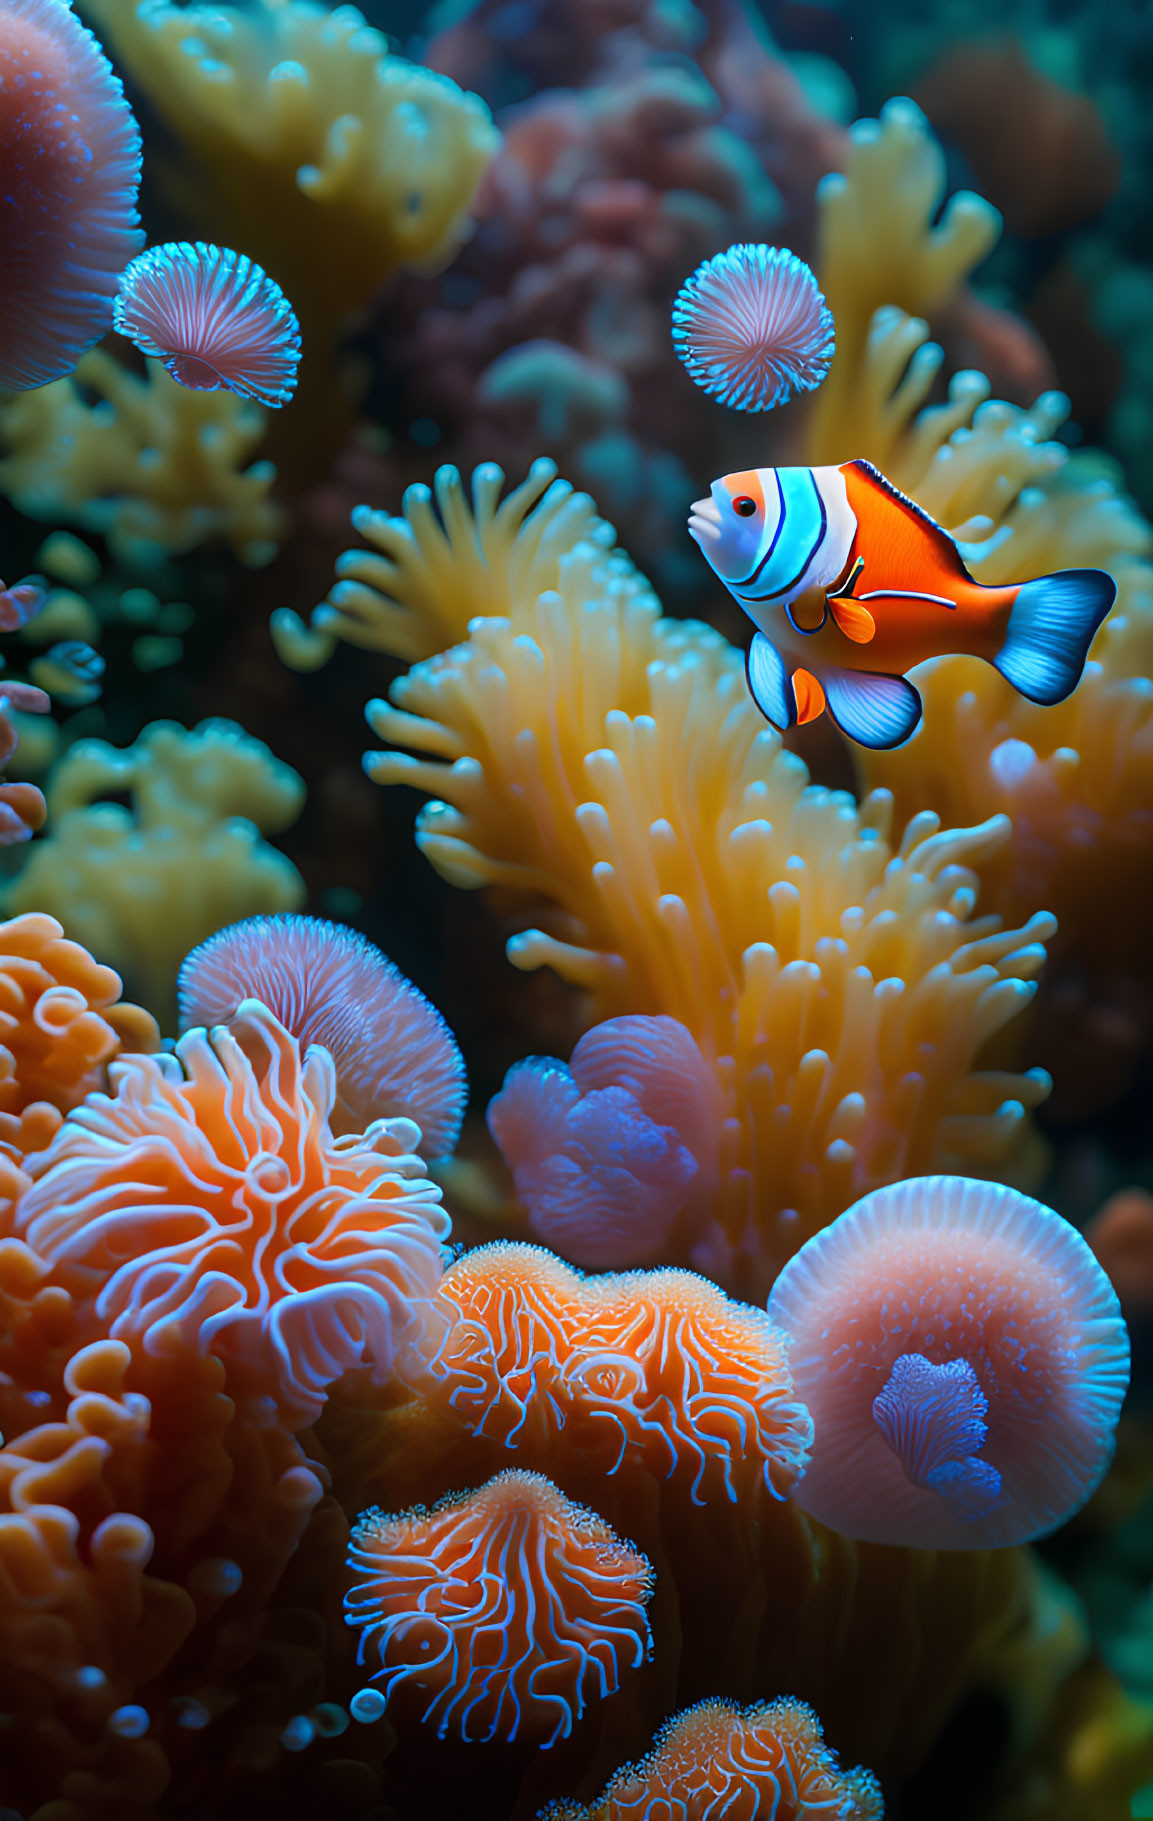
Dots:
{"x": 744, "y": 506}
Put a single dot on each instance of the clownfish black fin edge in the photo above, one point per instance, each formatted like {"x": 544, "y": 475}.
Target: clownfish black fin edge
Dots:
{"x": 1051, "y": 627}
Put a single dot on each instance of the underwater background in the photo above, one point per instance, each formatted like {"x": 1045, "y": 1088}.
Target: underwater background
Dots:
{"x": 393, "y": 1429}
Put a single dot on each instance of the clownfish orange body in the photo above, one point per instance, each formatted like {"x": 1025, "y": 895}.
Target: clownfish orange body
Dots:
{"x": 850, "y": 585}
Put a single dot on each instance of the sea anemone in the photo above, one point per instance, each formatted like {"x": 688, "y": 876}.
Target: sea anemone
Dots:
{"x": 203, "y": 1207}
{"x": 964, "y": 1360}
{"x": 70, "y": 152}
{"x": 752, "y": 327}
{"x": 214, "y": 318}
{"x": 506, "y": 1611}
{"x": 719, "y": 1762}
{"x": 658, "y": 1369}
{"x": 394, "y": 1053}
{"x": 606, "y": 1152}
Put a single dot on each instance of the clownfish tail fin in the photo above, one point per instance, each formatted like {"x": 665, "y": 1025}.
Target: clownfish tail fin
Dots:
{"x": 1051, "y": 627}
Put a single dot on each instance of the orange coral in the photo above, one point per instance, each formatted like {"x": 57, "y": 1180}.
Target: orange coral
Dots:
{"x": 656, "y": 1367}
{"x": 507, "y": 1610}
{"x": 61, "y": 1020}
{"x": 204, "y": 1207}
{"x": 717, "y": 1763}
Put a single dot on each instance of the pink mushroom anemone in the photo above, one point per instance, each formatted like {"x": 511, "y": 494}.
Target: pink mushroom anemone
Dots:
{"x": 964, "y": 1360}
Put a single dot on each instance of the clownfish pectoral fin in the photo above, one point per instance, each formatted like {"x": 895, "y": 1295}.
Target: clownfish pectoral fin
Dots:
{"x": 1051, "y": 627}
{"x": 808, "y": 695}
{"x": 874, "y": 710}
{"x": 854, "y": 620}
{"x": 769, "y": 683}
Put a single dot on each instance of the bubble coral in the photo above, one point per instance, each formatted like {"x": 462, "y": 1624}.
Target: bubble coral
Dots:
{"x": 214, "y": 318}
{"x": 393, "y": 1052}
{"x": 752, "y": 327}
{"x": 507, "y": 1610}
{"x": 204, "y": 1207}
{"x": 61, "y": 1021}
{"x": 964, "y": 1360}
{"x": 140, "y": 887}
{"x": 718, "y": 1762}
{"x": 838, "y": 986}
{"x": 656, "y": 1368}
{"x": 1076, "y": 779}
{"x": 151, "y": 466}
{"x": 70, "y": 152}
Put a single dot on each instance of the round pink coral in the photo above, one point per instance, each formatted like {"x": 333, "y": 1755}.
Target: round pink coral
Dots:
{"x": 394, "y": 1054}
{"x": 964, "y": 1360}
{"x": 753, "y": 328}
{"x": 70, "y": 170}
{"x": 214, "y": 317}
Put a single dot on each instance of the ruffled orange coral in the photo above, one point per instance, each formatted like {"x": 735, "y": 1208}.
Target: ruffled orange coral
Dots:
{"x": 656, "y": 1367}
{"x": 203, "y": 1207}
{"x": 836, "y": 981}
{"x": 61, "y": 1021}
{"x": 716, "y": 1762}
{"x": 504, "y": 1611}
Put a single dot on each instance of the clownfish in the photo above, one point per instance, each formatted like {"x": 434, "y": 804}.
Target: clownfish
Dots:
{"x": 850, "y": 584}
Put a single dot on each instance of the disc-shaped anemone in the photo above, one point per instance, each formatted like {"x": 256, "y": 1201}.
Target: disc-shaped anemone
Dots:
{"x": 70, "y": 164}
{"x": 964, "y": 1359}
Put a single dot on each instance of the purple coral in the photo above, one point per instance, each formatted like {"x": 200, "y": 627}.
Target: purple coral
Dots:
{"x": 606, "y": 1152}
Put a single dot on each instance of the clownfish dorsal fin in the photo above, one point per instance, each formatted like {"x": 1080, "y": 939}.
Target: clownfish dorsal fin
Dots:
{"x": 769, "y": 683}
{"x": 950, "y": 557}
{"x": 877, "y": 711}
{"x": 853, "y": 619}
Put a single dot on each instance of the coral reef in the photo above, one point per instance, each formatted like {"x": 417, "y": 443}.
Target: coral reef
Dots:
{"x": 141, "y": 886}
{"x": 151, "y": 466}
{"x": 839, "y": 985}
{"x": 1073, "y": 779}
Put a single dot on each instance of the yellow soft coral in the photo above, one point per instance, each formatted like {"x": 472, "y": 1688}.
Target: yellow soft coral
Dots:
{"x": 303, "y": 141}
{"x": 155, "y": 468}
{"x": 426, "y": 577}
{"x": 1076, "y": 779}
{"x": 61, "y": 1020}
{"x": 142, "y": 886}
{"x": 585, "y": 753}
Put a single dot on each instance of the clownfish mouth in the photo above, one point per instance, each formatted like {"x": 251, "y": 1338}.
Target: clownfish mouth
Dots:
{"x": 705, "y": 521}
